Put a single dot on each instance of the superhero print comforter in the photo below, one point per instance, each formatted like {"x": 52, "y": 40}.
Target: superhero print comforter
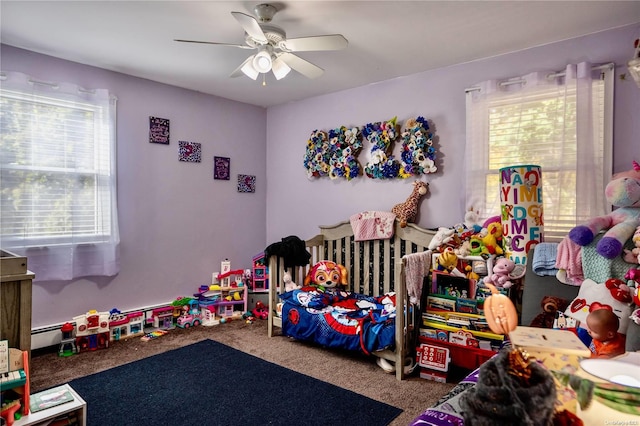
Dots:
{"x": 340, "y": 319}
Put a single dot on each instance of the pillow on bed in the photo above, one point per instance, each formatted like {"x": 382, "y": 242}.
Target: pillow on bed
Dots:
{"x": 593, "y": 295}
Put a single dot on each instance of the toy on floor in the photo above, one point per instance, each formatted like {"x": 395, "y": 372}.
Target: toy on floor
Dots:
{"x": 191, "y": 316}
{"x": 260, "y": 311}
{"x": 153, "y": 335}
{"x": 92, "y": 330}
{"x": 68, "y": 343}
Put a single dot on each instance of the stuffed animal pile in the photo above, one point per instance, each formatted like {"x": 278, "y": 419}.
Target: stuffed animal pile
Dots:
{"x": 470, "y": 239}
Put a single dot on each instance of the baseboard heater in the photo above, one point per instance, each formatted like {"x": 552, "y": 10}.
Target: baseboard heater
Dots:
{"x": 50, "y": 335}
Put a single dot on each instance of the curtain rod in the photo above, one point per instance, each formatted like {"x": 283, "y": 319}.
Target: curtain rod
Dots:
{"x": 3, "y": 76}
{"x": 609, "y": 65}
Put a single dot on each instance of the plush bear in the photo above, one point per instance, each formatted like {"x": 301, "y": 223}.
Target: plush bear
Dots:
{"x": 623, "y": 192}
{"x": 550, "y": 305}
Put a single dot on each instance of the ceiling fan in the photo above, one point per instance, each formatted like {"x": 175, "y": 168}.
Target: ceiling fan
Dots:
{"x": 274, "y": 49}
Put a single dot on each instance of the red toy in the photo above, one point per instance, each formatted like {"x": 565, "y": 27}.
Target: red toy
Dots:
{"x": 260, "y": 311}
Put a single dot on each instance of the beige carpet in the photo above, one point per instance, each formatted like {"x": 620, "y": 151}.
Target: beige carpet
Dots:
{"x": 347, "y": 370}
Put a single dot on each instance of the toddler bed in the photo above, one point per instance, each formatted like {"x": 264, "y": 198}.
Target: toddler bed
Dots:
{"x": 377, "y": 285}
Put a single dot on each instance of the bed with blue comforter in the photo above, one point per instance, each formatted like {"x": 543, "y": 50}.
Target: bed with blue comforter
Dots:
{"x": 340, "y": 319}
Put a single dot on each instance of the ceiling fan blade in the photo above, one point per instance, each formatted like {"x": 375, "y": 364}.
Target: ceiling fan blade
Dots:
{"x": 303, "y": 66}
{"x": 241, "y": 46}
{"x": 245, "y": 68}
{"x": 251, "y": 26}
{"x": 307, "y": 44}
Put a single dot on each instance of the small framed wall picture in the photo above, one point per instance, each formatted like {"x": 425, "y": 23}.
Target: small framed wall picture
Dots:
{"x": 190, "y": 152}
{"x": 159, "y": 130}
{"x": 221, "y": 168}
{"x": 246, "y": 183}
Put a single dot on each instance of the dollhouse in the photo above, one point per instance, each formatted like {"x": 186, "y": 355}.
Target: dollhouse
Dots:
{"x": 260, "y": 281}
{"x": 122, "y": 326}
{"x": 92, "y": 330}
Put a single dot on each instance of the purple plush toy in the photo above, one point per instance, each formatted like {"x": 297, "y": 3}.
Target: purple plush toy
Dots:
{"x": 624, "y": 192}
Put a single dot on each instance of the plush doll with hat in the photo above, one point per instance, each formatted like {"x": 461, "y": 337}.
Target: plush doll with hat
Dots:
{"x": 623, "y": 192}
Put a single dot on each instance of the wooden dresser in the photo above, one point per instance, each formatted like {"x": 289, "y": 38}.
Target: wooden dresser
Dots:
{"x": 15, "y": 301}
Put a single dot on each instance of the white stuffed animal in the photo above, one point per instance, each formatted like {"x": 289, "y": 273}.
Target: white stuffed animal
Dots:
{"x": 442, "y": 237}
{"x": 289, "y": 285}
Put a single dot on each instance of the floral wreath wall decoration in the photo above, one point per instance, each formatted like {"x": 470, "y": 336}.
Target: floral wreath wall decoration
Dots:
{"x": 334, "y": 153}
{"x": 383, "y": 165}
{"x": 418, "y": 153}
{"x": 316, "y": 157}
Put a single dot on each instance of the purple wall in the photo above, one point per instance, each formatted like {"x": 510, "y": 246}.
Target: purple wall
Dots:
{"x": 176, "y": 222}
{"x": 296, "y": 205}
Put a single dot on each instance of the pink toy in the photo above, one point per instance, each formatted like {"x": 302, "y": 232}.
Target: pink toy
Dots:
{"x": 623, "y": 192}
{"x": 504, "y": 271}
{"x": 633, "y": 274}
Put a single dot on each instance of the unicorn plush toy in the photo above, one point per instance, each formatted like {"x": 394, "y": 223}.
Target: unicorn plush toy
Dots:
{"x": 624, "y": 192}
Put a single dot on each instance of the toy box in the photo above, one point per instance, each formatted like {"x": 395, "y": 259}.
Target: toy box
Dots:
{"x": 558, "y": 350}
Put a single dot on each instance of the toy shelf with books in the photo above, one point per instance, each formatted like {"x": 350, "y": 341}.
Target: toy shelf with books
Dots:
{"x": 452, "y": 316}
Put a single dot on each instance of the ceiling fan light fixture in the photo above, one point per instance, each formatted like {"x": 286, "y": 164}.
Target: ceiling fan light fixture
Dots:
{"x": 262, "y": 61}
{"x": 280, "y": 69}
{"x": 249, "y": 71}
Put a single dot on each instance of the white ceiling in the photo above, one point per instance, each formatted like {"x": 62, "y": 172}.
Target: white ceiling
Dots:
{"x": 387, "y": 39}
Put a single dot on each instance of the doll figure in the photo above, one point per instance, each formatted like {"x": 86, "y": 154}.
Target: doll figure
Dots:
{"x": 603, "y": 328}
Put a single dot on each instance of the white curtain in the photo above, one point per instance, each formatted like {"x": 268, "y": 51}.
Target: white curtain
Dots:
{"x": 58, "y": 147}
{"x": 556, "y": 120}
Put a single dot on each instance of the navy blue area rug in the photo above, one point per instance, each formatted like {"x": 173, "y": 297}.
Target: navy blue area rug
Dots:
{"x": 209, "y": 383}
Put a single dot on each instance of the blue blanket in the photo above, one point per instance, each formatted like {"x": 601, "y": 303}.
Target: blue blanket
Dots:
{"x": 544, "y": 259}
{"x": 340, "y": 319}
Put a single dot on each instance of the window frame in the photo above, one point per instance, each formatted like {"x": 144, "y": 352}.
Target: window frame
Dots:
{"x": 482, "y": 203}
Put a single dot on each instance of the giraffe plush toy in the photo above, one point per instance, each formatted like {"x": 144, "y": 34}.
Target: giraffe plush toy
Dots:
{"x": 406, "y": 212}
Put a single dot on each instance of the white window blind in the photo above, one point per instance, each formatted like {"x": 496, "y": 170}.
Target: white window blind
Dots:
{"x": 562, "y": 123}
{"x": 58, "y": 187}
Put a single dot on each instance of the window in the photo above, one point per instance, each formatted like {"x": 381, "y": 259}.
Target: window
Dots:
{"x": 58, "y": 187}
{"x": 561, "y": 122}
